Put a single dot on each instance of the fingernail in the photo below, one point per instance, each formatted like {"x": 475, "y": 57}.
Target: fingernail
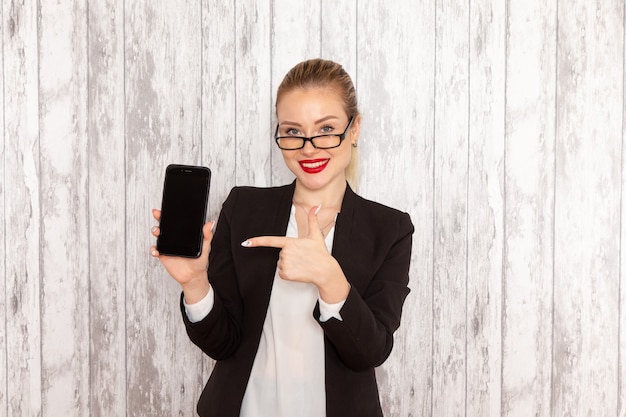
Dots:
{"x": 212, "y": 226}
{"x": 154, "y": 229}
{"x": 246, "y": 244}
{"x": 317, "y": 210}
{"x": 154, "y": 253}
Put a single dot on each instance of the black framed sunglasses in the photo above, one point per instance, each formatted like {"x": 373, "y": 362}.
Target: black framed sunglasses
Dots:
{"x": 328, "y": 141}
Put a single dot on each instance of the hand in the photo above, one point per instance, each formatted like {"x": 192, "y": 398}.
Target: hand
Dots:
{"x": 306, "y": 259}
{"x": 190, "y": 273}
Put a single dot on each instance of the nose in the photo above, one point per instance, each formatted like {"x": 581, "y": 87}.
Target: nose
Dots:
{"x": 308, "y": 148}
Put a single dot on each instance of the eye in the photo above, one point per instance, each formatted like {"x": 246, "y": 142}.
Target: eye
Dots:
{"x": 327, "y": 129}
{"x": 292, "y": 131}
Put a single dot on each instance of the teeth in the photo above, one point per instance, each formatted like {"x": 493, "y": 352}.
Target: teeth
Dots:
{"x": 313, "y": 164}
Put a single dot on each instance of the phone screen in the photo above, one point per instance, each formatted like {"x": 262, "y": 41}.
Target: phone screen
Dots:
{"x": 183, "y": 210}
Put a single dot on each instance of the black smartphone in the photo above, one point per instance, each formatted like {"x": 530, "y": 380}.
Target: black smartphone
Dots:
{"x": 183, "y": 210}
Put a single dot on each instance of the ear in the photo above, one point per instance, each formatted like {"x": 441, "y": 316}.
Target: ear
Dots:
{"x": 355, "y": 130}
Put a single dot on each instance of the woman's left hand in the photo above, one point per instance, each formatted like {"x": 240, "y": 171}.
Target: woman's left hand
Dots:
{"x": 306, "y": 259}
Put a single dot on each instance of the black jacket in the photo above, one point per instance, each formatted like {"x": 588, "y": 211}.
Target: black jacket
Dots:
{"x": 372, "y": 244}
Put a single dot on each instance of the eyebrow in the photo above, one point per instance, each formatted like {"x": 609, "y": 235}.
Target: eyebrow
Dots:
{"x": 323, "y": 119}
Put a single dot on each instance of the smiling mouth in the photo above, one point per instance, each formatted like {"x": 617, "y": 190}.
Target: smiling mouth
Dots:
{"x": 313, "y": 166}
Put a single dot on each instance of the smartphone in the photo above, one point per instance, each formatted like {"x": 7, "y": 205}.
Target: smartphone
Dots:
{"x": 183, "y": 210}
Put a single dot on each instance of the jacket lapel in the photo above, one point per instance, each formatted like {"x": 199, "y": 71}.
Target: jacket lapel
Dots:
{"x": 343, "y": 242}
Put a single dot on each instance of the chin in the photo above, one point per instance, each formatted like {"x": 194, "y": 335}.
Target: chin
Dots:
{"x": 317, "y": 181}
{"x": 313, "y": 182}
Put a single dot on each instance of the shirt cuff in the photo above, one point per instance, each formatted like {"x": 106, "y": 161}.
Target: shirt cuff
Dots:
{"x": 330, "y": 310}
{"x": 198, "y": 311}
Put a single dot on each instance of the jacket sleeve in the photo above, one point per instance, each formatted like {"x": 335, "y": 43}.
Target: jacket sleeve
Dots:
{"x": 219, "y": 333}
{"x": 364, "y": 338}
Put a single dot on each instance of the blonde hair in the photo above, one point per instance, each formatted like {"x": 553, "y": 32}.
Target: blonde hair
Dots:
{"x": 320, "y": 73}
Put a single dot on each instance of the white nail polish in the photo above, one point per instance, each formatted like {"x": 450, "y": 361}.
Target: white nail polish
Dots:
{"x": 246, "y": 244}
{"x": 317, "y": 210}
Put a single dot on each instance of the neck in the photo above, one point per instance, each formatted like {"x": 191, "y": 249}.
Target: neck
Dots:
{"x": 330, "y": 196}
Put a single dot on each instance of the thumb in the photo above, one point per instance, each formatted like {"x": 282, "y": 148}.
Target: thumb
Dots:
{"x": 207, "y": 234}
{"x": 314, "y": 226}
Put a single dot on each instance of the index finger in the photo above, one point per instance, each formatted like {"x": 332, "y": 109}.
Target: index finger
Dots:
{"x": 266, "y": 241}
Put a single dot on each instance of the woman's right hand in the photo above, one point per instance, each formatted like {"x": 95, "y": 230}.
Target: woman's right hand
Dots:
{"x": 190, "y": 273}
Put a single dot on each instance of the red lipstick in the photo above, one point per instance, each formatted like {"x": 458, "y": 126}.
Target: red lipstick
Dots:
{"x": 313, "y": 166}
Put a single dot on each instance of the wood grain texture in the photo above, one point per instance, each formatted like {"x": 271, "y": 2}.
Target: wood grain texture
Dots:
{"x": 219, "y": 100}
{"x": 163, "y": 120}
{"x": 529, "y": 209}
{"x": 450, "y": 209}
{"x": 485, "y": 206}
{"x": 395, "y": 88}
{"x": 22, "y": 215}
{"x": 107, "y": 210}
{"x": 64, "y": 216}
{"x": 3, "y": 278}
{"x": 338, "y": 36}
{"x": 253, "y": 93}
{"x": 219, "y": 108}
{"x": 621, "y": 401}
{"x": 587, "y": 200}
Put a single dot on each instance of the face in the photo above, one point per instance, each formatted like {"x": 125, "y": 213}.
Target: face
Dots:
{"x": 314, "y": 112}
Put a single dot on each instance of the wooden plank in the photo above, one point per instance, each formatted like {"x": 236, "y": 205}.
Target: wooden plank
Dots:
{"x": 219, "y": 110}
{"x": 450, "y": 209}
{"x": 485, "y": 207}
{"x": 4, "y": 405}
{"x": 253, "y": 93}
{"x": 64, "y": 222}
{"x": 163, "y": 123}
{"x": 107, "y": 248}
{"x": 587, "y": 207}
{"x": 21, "y": 182}
{"x": 338, "y": 40}
{"x": 529, "y": 204}
{"x": 396, "y": 151}
{"x": 295, "y": 37}
{"x": 621, "y": 401}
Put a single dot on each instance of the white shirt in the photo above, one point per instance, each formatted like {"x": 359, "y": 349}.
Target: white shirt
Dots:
{"x": 287, "y": 377}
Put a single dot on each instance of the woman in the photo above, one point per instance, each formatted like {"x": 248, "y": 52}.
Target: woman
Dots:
{"x": 306, "y": 281}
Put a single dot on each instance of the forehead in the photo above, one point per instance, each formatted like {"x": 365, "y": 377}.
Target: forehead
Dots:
{"x": 309, "y": 104}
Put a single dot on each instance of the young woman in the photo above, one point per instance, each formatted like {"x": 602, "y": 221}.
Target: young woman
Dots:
{"x": 305, "y": 282}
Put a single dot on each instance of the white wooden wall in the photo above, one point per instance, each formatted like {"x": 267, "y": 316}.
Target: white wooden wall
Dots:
{"x": 499, "y": 125}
